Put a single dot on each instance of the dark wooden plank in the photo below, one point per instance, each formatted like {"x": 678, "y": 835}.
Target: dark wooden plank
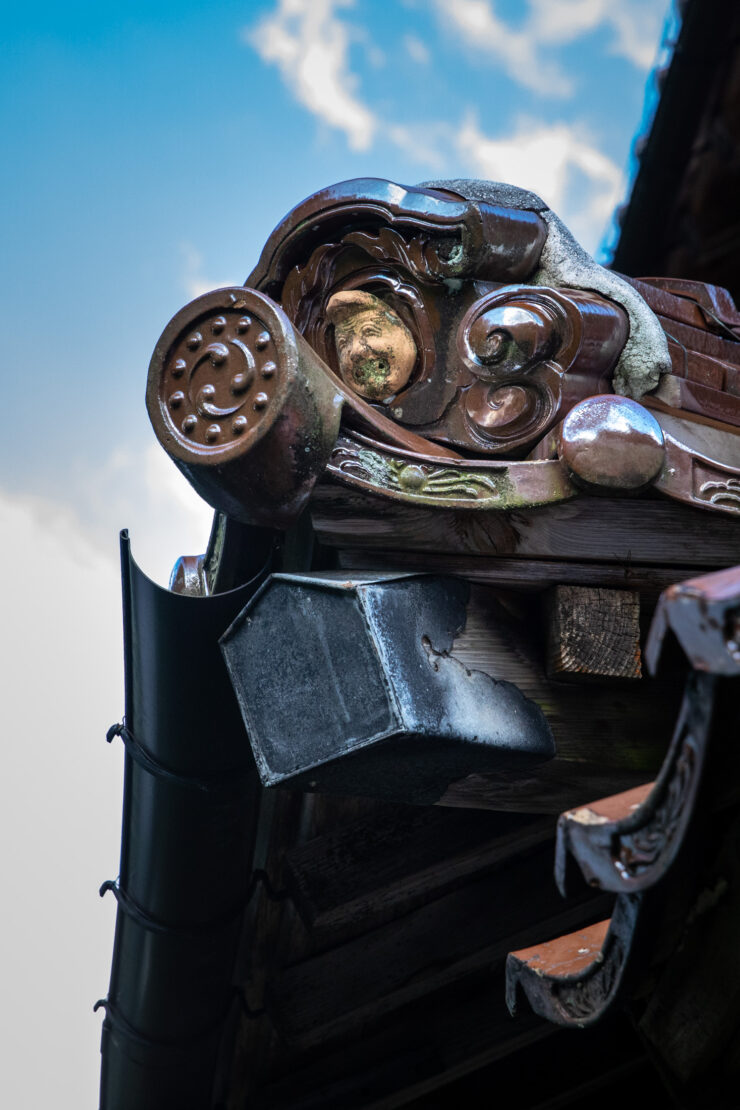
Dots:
{"x": 521, "y": 574}
{"x": 256, "y": 1042}
{"x": 544, "y": 1072}
{"x": 550, "y": 788}
{"x": 586, "y": 528}
{"x": 615, "y": 728}
{"x": 372, "y": 870}
{"x": 421, "y": 1047}
{"x": 437, "y": 944}
{"x": 594, "y": 1069}
{"x": 608, "y": 738}
{"x": 450, "y": 1050}
{"x": 693, "y": 1013}
{"x": 593, "y": 633}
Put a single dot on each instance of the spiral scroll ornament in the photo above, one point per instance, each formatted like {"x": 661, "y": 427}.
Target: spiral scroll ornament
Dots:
{"x": 243, "y": 406}
{"x": 218, "y": 379}
{"x": 508, "y": 342}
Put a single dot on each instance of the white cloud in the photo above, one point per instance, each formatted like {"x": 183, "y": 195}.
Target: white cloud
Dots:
{"x": 637, "y": 31}
{"x": 522, "y": 52}
{"x": 478, "y": 25}
{"x": 546, "y": 158}
{"x": 146, "y": 493}
{"x": 61, "y": 662}
{"x": 60, "y": 800}
{"x": 427, "y": 144}
{"x": 310, "y": 46}
{"x": 417, "y": 50}
{"x": 634, "y": 24}
{"x": 310, "y": 43}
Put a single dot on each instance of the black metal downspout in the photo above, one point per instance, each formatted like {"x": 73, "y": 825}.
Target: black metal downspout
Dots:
{"x": 189, "y": 814}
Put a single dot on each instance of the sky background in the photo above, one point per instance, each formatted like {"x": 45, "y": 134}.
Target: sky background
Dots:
{"x": 148, "y": 149}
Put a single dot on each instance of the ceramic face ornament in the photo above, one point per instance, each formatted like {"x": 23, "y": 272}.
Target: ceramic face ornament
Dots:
{"x": 376, "y": 350}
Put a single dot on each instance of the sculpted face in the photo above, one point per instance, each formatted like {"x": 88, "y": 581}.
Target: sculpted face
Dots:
{"x": 376, "y": 350}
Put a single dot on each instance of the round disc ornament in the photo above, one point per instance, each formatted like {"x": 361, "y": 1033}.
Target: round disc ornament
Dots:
{"x": 243, "y": 405}
{"x": 612, "y": 443}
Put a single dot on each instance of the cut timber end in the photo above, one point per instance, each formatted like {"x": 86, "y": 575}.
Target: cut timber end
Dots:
{"x": 593, "y": 634}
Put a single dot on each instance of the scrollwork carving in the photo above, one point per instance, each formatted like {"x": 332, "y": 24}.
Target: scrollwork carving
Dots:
{"x": 416, "y": 253}
{"x": 639, "y": 851}
{"x": 717, "y": 488}
{"x": 510, "y": 335}
{"x": 459, "y": 238}
{"x": 416, "y": 481}
{"x": 497, "y": 366}
{"x": 503, "y": 413}
{"x": 520, "y": 345}
{"x": 379, "y": 468}
{"x": 305, "y": 283}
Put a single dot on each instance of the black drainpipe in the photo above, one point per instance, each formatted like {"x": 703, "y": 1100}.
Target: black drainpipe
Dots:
{"x": 189, "y": 811}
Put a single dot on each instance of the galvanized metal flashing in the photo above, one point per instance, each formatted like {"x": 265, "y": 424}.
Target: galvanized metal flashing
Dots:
{"x": 348, "y": 685}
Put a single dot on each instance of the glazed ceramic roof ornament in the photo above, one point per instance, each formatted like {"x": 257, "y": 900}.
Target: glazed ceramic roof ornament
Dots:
{"x": 447, "y": 345}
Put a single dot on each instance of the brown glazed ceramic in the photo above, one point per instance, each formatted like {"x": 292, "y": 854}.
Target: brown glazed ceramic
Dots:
{"x": 612, "y": 443}
{"x": 438, "y": 262}
{"x": 402, "y": 307}
{"x": 532, "y": 352}
{"x": 243, "y": 406}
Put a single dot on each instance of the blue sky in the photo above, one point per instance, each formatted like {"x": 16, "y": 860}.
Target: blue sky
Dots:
{"x": 148, "y": 150}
